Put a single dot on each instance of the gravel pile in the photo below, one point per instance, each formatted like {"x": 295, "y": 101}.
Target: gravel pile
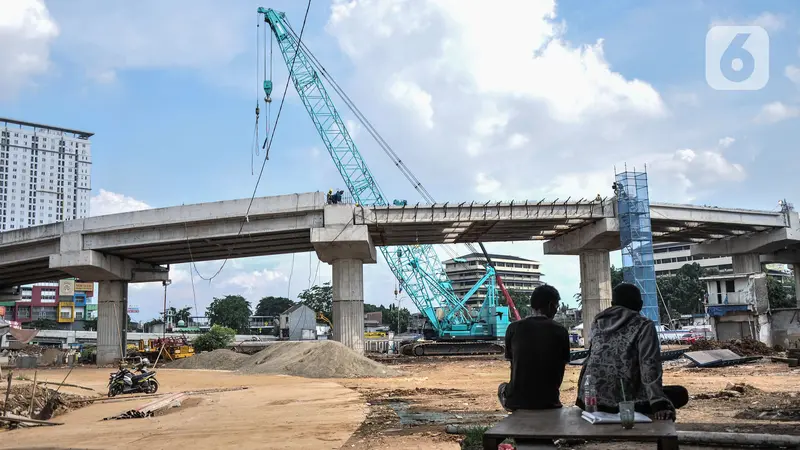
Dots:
{"x": 221, "y": 359}
{"x": 311, "y": 359}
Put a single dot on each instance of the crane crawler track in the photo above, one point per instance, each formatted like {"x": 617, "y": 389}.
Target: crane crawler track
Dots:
{"x": 452, "y": 348}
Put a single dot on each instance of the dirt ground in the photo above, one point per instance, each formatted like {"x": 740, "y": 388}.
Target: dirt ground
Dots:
{"x": 274, "y": 412}
{"x": 405, "y": 412}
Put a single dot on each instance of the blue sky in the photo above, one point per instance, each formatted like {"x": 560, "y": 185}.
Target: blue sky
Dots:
{"x": 483, "y": 100}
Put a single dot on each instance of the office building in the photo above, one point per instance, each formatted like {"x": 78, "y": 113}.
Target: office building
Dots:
{"x": 45, "y": 174}
{"x": 518, "y": 274}
{"x": 669, "y": 257}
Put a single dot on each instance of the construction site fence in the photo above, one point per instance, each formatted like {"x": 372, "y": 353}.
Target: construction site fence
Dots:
{"x": 381, "y": 346}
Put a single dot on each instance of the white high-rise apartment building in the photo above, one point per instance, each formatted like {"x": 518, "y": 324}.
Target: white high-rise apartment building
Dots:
{"x": 45, "y": 174}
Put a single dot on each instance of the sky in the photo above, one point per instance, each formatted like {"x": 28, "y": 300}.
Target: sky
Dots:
{"x": 482, "y": 100}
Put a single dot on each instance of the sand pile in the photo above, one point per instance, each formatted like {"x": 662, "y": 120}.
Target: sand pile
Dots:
{"x": 311, "y": 359}
{"x": 221, "y": 359}
{"x": 318, "y": 359}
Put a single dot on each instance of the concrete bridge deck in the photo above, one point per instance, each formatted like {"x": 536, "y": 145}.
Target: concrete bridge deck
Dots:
{"x": 145, "y": 241}
{"x": 137, "y": 246}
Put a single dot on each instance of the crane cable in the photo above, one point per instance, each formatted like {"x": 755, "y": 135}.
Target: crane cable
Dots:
{"x": 268, "y": 144}
{"x": 393, "y": 156}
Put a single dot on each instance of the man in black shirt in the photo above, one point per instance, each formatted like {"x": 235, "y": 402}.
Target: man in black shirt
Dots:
{"x": 538, "y": 349}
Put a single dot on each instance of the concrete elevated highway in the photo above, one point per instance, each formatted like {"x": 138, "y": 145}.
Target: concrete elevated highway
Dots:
{"x": 139, "y": 246}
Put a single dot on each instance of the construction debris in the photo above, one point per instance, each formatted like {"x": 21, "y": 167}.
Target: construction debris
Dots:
{"x": 21, "y": 398}
{"x": 730, "y": 391}
{"x": 718, "y": 358}
{"x": 312, "y": 359}
{"x": 15, "y": 419}
{"x": 791, "y": 362}
{"x": 150, "y": 409}
{"x": 738, "y": 439}
{"x": 742, "y": 347}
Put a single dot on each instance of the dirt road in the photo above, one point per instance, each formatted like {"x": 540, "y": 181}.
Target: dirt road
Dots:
{"x": 406, "y": 412}
{"x": 274, "y": 412}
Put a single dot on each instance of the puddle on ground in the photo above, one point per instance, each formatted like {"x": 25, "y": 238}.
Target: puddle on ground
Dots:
{"x": 417, "y": 417}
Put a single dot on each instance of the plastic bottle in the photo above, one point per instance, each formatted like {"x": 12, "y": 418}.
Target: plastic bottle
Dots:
{"x": 589, "y": 394}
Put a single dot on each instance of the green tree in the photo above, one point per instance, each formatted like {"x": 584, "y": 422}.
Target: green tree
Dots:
{"x": 522, "y": 300}
{"x": 90, "y": 324}
{"x": 43, "y": 324}
{"x": 372, "y": 308}
{"x": 184, "y": 314}
{"x": 216, "y": 337}
{"x": 319, "y": 298}
{"x": 779, "y": 294}
{"x": 231, "y": 311}
{"x": 130, "y": 325}
{"x": 147, "y": 326}
{"x": 273, "y": 306}
{"x": 682, "y": 291}
{"x": 616, "y": 277}
{"x": 390, "y": 316}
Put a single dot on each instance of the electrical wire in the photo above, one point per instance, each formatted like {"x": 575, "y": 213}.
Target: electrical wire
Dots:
{"x": 291, "y": 272}
{"x": 268, "y": 144}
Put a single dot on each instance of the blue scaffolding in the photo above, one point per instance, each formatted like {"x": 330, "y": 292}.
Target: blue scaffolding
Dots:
{"x": 636, "y": 237}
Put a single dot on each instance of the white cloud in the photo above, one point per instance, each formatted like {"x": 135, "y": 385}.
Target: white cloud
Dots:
{"x": 770, "y": 21}
{"x": 486, "y": 185}
{"x": 726, "y": 142}
{"x": 415, "y": 98}
{"x": 793, "y": 74}
{"x": 534, "y": 62}
{"x": 107, "y": 202}
{"x": 517, "y": 140}
{"x": 776, "y": 112}
{"x": 353, "y": 127}
{"x": 254, "y": 282}
{"x": 766, "y": 20}
{"x": 26, "y": 34}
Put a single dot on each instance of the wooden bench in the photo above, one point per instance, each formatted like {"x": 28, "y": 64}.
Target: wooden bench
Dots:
{"x": 567, "y": 423}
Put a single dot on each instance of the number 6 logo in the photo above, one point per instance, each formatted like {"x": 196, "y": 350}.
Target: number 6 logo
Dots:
{"x": 737, "y": 58}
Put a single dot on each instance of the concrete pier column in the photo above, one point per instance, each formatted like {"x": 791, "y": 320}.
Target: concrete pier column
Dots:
{"x": 348, "y": 303}
{"x": 347, "y": 247}
{"x": 112, "y": 309}
{"x": 595, "y": 287}
{"x": 746, "y": 263}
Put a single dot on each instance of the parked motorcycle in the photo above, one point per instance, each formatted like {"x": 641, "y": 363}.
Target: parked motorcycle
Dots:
{"x": 124, "y": 381}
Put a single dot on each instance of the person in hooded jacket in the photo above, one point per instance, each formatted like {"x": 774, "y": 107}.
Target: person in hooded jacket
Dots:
{"x": 624, "y": 350}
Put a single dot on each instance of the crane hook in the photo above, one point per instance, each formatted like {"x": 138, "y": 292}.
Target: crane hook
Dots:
{"x": 268, "y": 91}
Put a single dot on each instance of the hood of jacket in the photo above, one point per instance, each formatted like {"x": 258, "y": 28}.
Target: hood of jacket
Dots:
{"x": 612, "y": 319}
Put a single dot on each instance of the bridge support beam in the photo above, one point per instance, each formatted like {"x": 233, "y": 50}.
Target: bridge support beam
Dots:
{"x": 595, "y": 287}
{"x": 746, "y": 263}
{"x": 347, "y": 247}
{"x": 112, "y": 317}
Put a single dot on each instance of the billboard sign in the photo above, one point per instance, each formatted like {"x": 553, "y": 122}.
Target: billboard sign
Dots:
{"x": 133, "y": 309}
{"x": 84, "y": 287}
{"x": 66, "y": 288}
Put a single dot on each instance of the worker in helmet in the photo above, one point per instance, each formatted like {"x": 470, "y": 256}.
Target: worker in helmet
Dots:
{"x": 330, "y": 196}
